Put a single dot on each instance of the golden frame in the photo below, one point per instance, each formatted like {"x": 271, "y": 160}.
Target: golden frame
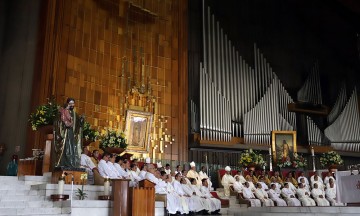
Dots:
{"x": 138, "y": 130}
{"x": 284, "y": 141}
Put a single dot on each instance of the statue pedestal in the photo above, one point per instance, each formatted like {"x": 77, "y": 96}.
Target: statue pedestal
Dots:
{"x": 76, "y": 172}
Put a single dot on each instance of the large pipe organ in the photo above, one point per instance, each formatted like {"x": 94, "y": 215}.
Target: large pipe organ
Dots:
{"x": 238, "y": 99}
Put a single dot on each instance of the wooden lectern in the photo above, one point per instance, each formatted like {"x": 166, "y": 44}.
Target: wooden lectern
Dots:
{"x": 143, "y": 199}
{"x": 121, "y": 196}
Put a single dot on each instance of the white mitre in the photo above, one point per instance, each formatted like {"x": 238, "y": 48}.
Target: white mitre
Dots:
{"x": 227, "y": 168}
{"x": 159, "y": 164}
{"x": 192, "y": 164}
{"x": 147, "y": 160}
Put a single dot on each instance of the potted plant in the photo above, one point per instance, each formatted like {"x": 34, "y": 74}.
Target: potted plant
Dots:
{"x": 80, "y": 192}
{"x": 113, "y": 141}
{"x": 44, "y": 115}
{"x": 251, "y": 159}
{"x": 89, "y": 134}
{"x": 331, "y": 160}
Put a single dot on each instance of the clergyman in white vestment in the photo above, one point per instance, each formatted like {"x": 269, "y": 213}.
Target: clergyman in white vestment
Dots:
{"x": 248, "y": 195}
{"x": 289, "y": 196}
{"x": 227, "y": 180}
{"x": 275, "y": 196}
{"x": 304, "y": 196}
{"x": 330, "y": 194}
{"x": 319, "y": 196}
{"x": 261, "y": 194}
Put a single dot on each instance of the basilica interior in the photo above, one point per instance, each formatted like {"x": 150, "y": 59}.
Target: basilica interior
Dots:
{"x": 183, "y": 81}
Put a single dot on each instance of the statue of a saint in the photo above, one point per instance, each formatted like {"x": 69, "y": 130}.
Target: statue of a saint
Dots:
{"x": 68, "y": 135}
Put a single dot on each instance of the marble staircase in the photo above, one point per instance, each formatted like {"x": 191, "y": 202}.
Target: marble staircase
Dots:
{"x": 30, "y": 195}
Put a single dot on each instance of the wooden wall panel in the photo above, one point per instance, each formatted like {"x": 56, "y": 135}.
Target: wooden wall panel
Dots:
{"x": 90, "y": 41}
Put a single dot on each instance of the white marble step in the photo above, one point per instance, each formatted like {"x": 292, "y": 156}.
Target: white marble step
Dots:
{"x": 29, "y": 204}
{"x": 34, "y": 180}
{"x": 14, "y": 187}
{"x": 24, "y": 192}
{"x": 293, "y": 214}
{"x": 34, "y": 211}
{"x": 330, "y": 209}
{"x": 10, "y": 180}
{"x": 7, "y": 197}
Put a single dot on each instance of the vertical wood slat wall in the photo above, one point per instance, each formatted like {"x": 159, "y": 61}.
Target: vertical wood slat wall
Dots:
{"x": 85, "y": 41}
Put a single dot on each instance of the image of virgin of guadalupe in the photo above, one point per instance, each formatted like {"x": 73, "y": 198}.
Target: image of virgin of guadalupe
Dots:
{"x": 67, "y": 137}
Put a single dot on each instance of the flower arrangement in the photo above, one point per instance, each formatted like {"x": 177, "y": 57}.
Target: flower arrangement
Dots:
{"x": 90, "y": 134}
{"x": 44, "y": 115}
{"x": 296, "y": 161}
{"x": 249, "y": 157}
{"x": 80, "y": 193}
{"x": 114, "y": 139}
{"x": 330, "y": 158}
{"x": 299, "y": 161}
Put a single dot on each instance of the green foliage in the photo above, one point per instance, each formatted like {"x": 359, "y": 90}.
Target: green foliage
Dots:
{"x": 90, "y": 134}
{"x": 251, "y": 157}
{"x": 330, "y": 158}
{"x": 112, "y": 138}
{"x": 44, "y": 115}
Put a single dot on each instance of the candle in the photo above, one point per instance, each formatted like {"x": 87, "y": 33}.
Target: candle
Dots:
{"x": 312, "y": 151}
{"x": 61, "y": 184}
{"x": 269, "y": 150}
{"x": 106, "y": 186}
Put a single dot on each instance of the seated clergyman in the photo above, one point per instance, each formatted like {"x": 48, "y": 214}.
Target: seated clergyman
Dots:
{"x": 275, "y": 196}
{"x": 289, "y": 196}
{"x": 330, "y": 194}
{"x": 304, "y": 196}
{"x": 319, "y": 196}
{"x": 248, "y": 195}
{"x": 261, "y": 194}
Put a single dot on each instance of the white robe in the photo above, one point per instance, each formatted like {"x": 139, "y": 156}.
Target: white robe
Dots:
{"x": 292, "y": 186}
{"x": 183, "y": 207}
{"x": 86, "y": 162}
{"x": 320, "y": 184}
{"x": 287, "y": 194}
{"x": 134, "y": 179}
{"x": 142, "y": 174}
{"x": 113, "y": 168}
{"x": 331, "y": 196}
{"x": 316, "y": 193}
{"x": 248, "y": 195}
{"x": 122, "y": 173}
{"x": 216, "y": 203}
{"x": 196, "y": 203}
{"x": 161, "y": 188}
{"x": 195, "y": 175}
{"x": 306, "y": 180}
{"x": 105, "y": 170}
{"x": 208, "y": 204}
{"x": 305, "y": 198}
{"x": 312, "y": 179}
{"x": 327, "y": 178}
{"x": 227, "y": 180}
{"x": 263, "y": 197}
{"x": 241, "y": 178}
{"x": 238, "y": 186}
{"x": 264, "y": 186}
{"x": 277, "y": 187}
{"x": 168, "y": 171}
{"x": 275, "y": 196}
{"x": 204, "y": 175}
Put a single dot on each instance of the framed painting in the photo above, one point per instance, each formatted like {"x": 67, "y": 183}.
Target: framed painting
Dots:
{"x": 137, "y": 130}
{"x": 283, "y": 144}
